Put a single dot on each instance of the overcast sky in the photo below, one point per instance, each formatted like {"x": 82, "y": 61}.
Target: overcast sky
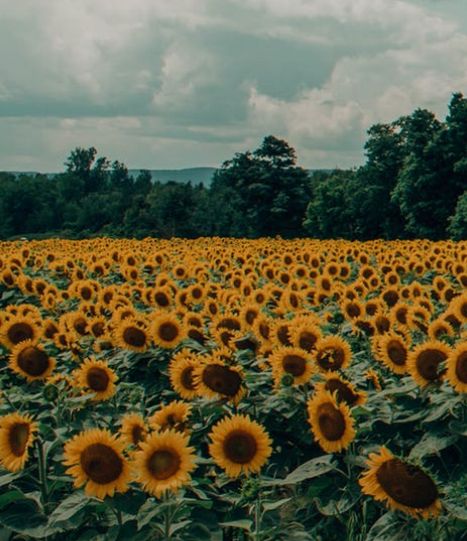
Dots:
{"x": 181, "y": 83}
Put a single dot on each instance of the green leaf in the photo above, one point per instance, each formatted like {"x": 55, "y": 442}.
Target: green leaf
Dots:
{"x": 147, "y": 512}
{"x": 68, "y": 508}
{"x": 386, "y": 528}
{"x": 270, "y": 506}
{"x": 243, "y": 524}
{"x": 341, "y": 505}
{"x": 308, "y": 470}
{"x": 7, "y": 478}
{"x": 178, "y": 526}
{"x": 13, "y": 517}
{"x": 10, "y": 496}
{"x": 431, "y": 444}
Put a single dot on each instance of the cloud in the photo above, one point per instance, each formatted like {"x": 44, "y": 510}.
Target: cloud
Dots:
{"x": 190, "y": 82}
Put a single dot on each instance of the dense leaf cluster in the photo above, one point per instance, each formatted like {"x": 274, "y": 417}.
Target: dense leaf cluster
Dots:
{"x": 413, "y": 184}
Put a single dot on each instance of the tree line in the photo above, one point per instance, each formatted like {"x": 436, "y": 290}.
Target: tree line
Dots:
{"x": 413, "y": 184}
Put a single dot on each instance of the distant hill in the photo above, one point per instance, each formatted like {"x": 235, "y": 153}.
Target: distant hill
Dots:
{"x": 194, "y": 175}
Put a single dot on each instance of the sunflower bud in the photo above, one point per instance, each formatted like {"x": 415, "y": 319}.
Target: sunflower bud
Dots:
{"x": 287, "y": 380}
{"x": 50, "y": 393}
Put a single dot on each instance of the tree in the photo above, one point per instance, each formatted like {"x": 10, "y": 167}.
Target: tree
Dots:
{"x": 458, "y": 221}
{"x": 266, "y": 189}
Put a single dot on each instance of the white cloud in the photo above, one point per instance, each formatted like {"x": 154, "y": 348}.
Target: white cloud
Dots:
{"x": 146, "y": 69}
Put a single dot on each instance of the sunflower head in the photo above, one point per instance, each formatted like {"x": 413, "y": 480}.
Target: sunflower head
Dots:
{"x": 31, "y": 361}
{"x": 332, "y": 353}
{"x": 239, "y": 445}
{"x": 164, "y": 462}
{"x": 95, "y": 459}
{"x": 457, "y": 367}
{"x": 96, "y": 377}
{"x": 167, "y": 330}
{"x": 17, "y": 434}
{"x": 214, "y": 379}
{"x": 131, "y": 334}
{"x": 331, "y": 422}
{"x": 133, "y": 430}
{"x": 294, "y": 362}
{"x": 181, "y": 374}
{"x": 402, "y": 486}
{"x": 426, "y": 362}
{"x": 173, "y": 416}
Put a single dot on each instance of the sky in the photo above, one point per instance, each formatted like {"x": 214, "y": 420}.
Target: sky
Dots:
{"x": 186, "y": 83}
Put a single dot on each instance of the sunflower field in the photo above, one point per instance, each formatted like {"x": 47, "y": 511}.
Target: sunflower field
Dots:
{"x": 233, "y": 390}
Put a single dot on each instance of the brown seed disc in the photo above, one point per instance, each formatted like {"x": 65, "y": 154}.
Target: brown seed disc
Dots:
{"x": 134, "y": 337}
{"x": 97, "y": 379}
{"x": 168, "y": 331}
{"x": 428, "y": 362}
{"x": 307, "y": 340}
{"x": 137, "y": 434}
{"x": 101, "y": 463}
{"x": 33, "y": 361}
{"x": 18, "y": 438}
{"x": 221, "y": 379}
{"x": 406, "y": 484}
{"x": 240, "y": 447}
{"x": 186, "y": 378}
{"x": 294, "y": 364}
{"x": 331, "y": 358}
{"x": 397, "y": 352}
{"x": 331, "y": 422}
{"x": 461, "y": 367}
{"x": 163, "y": 464}
{"x": 19, "y": 332}
{"x": 344, "y": 393}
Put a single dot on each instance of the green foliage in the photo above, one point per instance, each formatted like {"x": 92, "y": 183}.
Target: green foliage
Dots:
{"x": 411, "y": 185}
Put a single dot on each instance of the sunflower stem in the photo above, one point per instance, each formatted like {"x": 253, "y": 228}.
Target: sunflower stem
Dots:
{"x": 258, "y": 517}
{"x": 42, "y": 471}
{"x": 167, "y": 516}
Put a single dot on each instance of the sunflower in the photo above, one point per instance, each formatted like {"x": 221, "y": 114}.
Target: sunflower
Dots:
{"x": 96, "y": 459}
{"x": 133, "y": 430}
{"x": 181, "y": 369}
{"x": 173, "y": 416}
{"x": 131, "y": 334}
{"x": 331, "y": 422}
{"x": 333, "y": 353}
{"x": 239, "y": 445}
{"x": 401, "y": 485}
{"x": 457, "y": 367}
{"x": 16, "y": 436}
{"x": 18, "y": 328}
{"x": 295, "y": 362}
{"x": 97, "y": 377}
{"x": 305, "y": 335}
{"x": 342, "y": 389}
{"x": 167, "y": 331}
{"x": 31, "y": 361}
{"x": 425, "y": 362}
{"x": 213, "y": 379}
{"x": 440, "y": 328}
{"x": 164, "y": 462}
{"x": 393, "y": 351}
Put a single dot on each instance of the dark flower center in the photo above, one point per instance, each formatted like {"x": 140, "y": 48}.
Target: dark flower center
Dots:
{"x": 397, "y": 352}
{"x": 134, "y": 337}
{"x": 294, "y": 364}
{"x": 33, "y": 361}
{"x": 343, "y": 392}
{"x": 428, "y": 362}
{"x": 461, "y": 367}
{"x": 168, "y": 331}
{"x": 19, "y": 332}
{"x": 221, "y": 379}
{"x": 331, "y": 422}
{"x": 331, "y": 358}
{"x": 101, "y": 463}
{"x": 163, "y": 464}
{"x": 240, "y": 447}
{"x": 18, "y": 438}
{"x": 406, "y": 484}
{"x": 98, "y": 379}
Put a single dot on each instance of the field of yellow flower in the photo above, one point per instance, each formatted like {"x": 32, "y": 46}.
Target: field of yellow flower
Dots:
{"x": 233, "y": 390}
